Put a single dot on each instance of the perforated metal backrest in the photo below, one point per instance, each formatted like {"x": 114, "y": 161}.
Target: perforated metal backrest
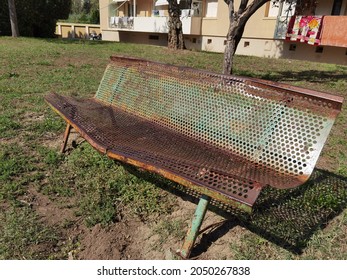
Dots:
{"x": 270, "y": 124}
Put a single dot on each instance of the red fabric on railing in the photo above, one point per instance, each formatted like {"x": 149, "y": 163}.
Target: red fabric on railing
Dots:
{"x": 305, "y": 29}
{"x": 334, "y": 32}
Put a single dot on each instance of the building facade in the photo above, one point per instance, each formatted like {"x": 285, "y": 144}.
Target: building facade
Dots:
{"x": 206, "y": 22}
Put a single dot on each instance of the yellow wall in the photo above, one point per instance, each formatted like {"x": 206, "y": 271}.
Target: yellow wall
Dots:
{"x": 66, "y": 32}
{"x": 258, "y": 25}
{"x": 76, "y": 30}
{"x": 103, "y": 7}
{"x": 210, "y": 26}
{"x": 80, "y": 32}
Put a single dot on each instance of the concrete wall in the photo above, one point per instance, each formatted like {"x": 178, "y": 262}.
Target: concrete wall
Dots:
{"x": 151, "y": 24}
{"x": 330, "y": 54}
{"x": 156, "y": 39}
{"x": 76, "y": 30}
{"x": 272, "y": 49}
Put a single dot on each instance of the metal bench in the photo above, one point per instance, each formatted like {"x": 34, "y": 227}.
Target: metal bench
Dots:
{"x": 224, "y": 137}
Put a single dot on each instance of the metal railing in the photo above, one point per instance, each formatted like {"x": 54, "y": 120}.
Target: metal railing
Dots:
{"x": 121, "y": 22}
{"x": 281, "y": 27}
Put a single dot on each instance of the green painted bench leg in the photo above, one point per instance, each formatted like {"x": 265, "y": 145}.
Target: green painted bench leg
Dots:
{"x": 193, "y": 232}
{"x": 66, "y": 137}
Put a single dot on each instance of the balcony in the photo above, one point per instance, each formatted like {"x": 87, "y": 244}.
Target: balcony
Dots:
{"x": 333, "y": 31}
{"x": 191, "y": 25}
{"x": 281, "y": 27}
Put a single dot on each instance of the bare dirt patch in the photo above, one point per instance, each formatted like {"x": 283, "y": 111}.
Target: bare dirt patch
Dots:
{"x": 31, "y": 117}
{"x": 104, "y": 243}
{"x": 49, "y": 211}
{"x": 129, "y": 238}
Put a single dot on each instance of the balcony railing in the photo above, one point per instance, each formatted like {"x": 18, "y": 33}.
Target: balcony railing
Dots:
{"x": 281, "y": 27}
{"x": 191, "y": 25}
{"x": 122, "y": 22}
{"x": 333, "y": 32}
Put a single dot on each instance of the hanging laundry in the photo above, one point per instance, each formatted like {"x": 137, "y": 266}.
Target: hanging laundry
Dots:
{"x": 305, "y": 29}
{"x": 334, "y": 32}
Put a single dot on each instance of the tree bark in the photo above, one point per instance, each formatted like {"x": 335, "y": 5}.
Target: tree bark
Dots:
{"x": 233, "y": 39}
{"x": 175, "y": 34}
{"x": 13, "y": 18}
{"x": 238, "y": 20}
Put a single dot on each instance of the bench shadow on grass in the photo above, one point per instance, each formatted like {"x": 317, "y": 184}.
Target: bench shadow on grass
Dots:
{"x": 287, "y": 218}
{"x": 312, "y": 76}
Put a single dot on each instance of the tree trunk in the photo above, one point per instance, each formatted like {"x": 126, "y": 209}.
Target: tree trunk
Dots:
{"x": 238, "y": 20}
{"x": 13, "y": 18}
{"x": 233, "y": 39}
{"x": 175, "y": 34}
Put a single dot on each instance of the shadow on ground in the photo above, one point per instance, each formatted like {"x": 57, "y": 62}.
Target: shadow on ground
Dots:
{"x": 77, "y": 41}
{"x": 312, "y": 76}
{"x": 288, "y": 218}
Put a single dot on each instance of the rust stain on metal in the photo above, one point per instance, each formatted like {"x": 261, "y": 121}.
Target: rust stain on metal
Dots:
{"x": 222, "y": 136}
{"x": 178, "y": 179}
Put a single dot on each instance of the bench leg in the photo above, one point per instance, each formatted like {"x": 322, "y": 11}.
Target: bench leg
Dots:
{"x": 66, "y": 137}
{"x": 193, "y": 232}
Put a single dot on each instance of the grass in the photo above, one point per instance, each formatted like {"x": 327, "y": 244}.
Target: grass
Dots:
{"x": 23, "y": 236}
{"x": 168, "y": 229}
{"x": 101, "y": 191}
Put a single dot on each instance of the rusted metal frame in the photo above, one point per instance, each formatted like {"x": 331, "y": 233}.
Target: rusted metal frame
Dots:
{"x": 93, "y": 143}
{"x": 184, "y": 182}
{"x": 194, "y": 230}
{"x": 323, "y": 96}
{"x": 336, "y": 100}
{"x": 169, "y": 175}
{"x": 66, "y": 137}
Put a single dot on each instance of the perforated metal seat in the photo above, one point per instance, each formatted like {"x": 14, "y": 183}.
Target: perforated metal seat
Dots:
{"x": 223, "y": 136}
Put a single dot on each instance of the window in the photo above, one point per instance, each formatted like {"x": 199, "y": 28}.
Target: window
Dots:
{"x": 183, "y": 5}
{"x": 211, "y": 8}
{"x": 319, "y": 49}
{"x": 336, "y": 7}
{"x": 275, "y": 9}
{"x": 292, "y": 47}
{"x": 153, "y": 37}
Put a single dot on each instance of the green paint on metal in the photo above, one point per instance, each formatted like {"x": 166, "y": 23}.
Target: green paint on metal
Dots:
{"x": 195, "y": 228}
{"x": 118, "y": 85}
{"x": 233, "y": 116}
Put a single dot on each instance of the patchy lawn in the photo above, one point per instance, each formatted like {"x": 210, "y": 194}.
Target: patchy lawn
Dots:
{"x": 82, "y": 205}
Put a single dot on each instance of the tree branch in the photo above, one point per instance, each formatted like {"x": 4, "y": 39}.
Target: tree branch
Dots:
{"x": 230, "y": 4}
{"x": 252, "y": 8}
{"x": 242, "y": 6}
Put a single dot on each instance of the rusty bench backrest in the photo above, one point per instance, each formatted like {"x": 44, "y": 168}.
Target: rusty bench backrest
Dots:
{"x": 281, "y": 127}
